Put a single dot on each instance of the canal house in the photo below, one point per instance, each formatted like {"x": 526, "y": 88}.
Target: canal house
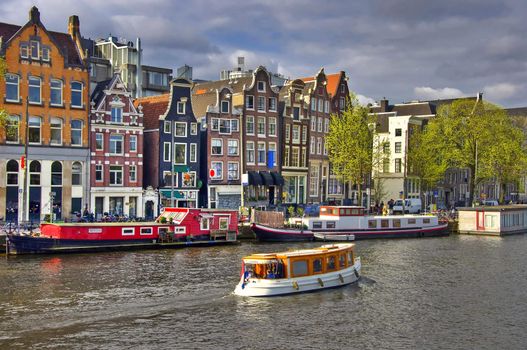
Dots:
{"x": 497, "y": 220}
{"x": 171, "y": 142}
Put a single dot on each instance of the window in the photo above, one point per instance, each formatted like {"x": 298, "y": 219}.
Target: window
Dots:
{"x": 319, "y": 124}
{"x": 204, "y": 223}
{"x": 411, "y": 221}
{"x": 218, "y": 170}
{"x": 24, "y": 50}
{"x": 180, "y": 107}
{"x": 326, "y": 125}
{"x": 45, "y": 54}
{"x": 127, "y": 231}
{"x": 272, "y": 104}
{"x": 156, "y": 78}
{"x": 342, "y": 103}
{"x": 180, "y": 153}
{"x": 167, "y": 127}
{"x": 343, "y": 88}
{"x": 317, "y": 224}
{"x": 313, "y": 104}
{"x": 76, "y": 94}
{"x": 98, "y": 173}
{"x": 193, "y": 152}
{"x": 261, "y": 152}
{"x": 250, "y": 125}
{"x": 296, "y": 134}
{"x": 295, "y": 156}
{"x": 330, "y": 263}
{"x": 286, "y": 156}
{"x": 225, "y": 126}
{"x": 145, "y": 231}
{"x": 224, "y": 106}
{"x": 217, "y": 147}
{"x": 232, "y": 147}
{"x": 189, "y": 179}
{"x": 386, "y": 148}
{"x": 398, "y": 132}
{"x": 35, "y": 49}
{"x": 249, "y": 102}
{"x": 180, "y": 129}
{"x": 261, "y": 126}
{"x": 132, "y": 172}
{"x": 398, "y": 165}
{"x": 272, "y": 148}
{"x": 342, "y": 261}
{"x": 56, "y": 92}
{"x": 319, "y": 145}
{"x": 117, "y": 115}
{"x": 34, "y": 173}
{"x": 133, "y": 143}
{"x": 299, "y": 268}
{"x": 224, "y": 224}
{"x": 287, "y": 132}
{"x": 166, "y": 152}
{"x": 233, "y": 173}
{"x": 396, "y": 222}
{"x": 35, "y": 90}
{"x": 56, "y": 174}
{"x": 12, "y": 172}
{"x": 326, "y": 107}
{"x": 215, "y": 124}
{"x": 56, "y": 131}
{"x": 303, "y": 159}
{"x": 325, "y": 148}
{"x": 304, "y": 134}
{"x": 261, "y": 86}
{"x": 234, "y": 125}
{"x": 272, "y": 126}
{"x": 317, "y": 265}
{"x": 250, "y": 152}
{"x": 12, "y": 129}
{"x": 320, "y": 105}
{"x": 397, "y": 147}
{"x": 34, "y": 130}
{"x": 76, "y": 132}
{"x": 386, "y": 165}
{"x": 76, "y": 174}
{"x": 116, "y": 144}
{"x": 385, "y": 223}
{"x": 426, "y": 221}
{"x": 261, "y": 103}
{"x": 193, "y": 128}
{"x": 12, "y": 92}
{"x": 313, "y": 182}
{"x": 313, "y": 123}
{"x": 372, "y": 223}
{"x": 312, "y": 145}
{"x": 116, "y": 175}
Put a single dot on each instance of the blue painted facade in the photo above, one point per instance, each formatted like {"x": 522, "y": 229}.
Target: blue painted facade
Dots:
{"x": 178, "y": 127}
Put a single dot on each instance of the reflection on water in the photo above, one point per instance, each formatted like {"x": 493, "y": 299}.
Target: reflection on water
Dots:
{"x": 457, "y": 292}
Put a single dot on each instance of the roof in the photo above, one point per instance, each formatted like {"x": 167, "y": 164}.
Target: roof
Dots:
{"x": 416, "y": 108}
{"x": 153, "y": 107}
{"x": 333, "y": 82}
{"x": 200, "y": 103}
{"x": 98, "y": 93}
{"x": 329, "y": 248}
{"x": 494, "y": 208}
{"x": 211, "y": 86}
{"x": 63, "y": 40}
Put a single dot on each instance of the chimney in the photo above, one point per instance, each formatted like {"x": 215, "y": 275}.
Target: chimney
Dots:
{"x": 74, "y": 26}
{"x": 34, "y": 15}
{"x": 384, "y": 104}
{"x": 480, "y": 96}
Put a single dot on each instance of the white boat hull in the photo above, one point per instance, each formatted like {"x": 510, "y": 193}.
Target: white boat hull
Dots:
{"x": 334, "y": 237}
{"x": 274, "y": 287}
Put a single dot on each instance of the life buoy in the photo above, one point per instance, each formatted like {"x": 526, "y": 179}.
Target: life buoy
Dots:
{"x": 295, "y": 285}
{"x": 320, "y": 282}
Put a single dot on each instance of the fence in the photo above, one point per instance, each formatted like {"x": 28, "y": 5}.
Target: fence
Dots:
{"x": 269, "y": 218}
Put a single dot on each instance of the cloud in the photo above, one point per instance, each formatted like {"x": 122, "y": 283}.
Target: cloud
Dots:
{"x": 428, "y": 93}
{"x": 365, "y": 100}
{"x": 500, "y": 91}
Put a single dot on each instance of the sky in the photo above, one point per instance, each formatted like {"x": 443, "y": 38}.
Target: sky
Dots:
{"x": 402, "y": 50}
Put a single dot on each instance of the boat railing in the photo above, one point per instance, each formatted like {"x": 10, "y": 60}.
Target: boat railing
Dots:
{"x": 21, "y": 228}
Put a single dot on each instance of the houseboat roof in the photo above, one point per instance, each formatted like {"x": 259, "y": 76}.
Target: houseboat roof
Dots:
{"x": 268, "y": 257}
{"x": 494, "y": 208}
{"x": 124, "y": 224}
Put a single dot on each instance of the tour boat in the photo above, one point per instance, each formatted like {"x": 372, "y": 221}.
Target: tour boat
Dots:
{"x": 175, "y": 227}
{"x": 305, "y": 270}
{"x": 335, "y": 222}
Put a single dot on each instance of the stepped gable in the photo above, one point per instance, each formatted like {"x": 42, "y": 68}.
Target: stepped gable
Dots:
{"x": 153, "y": 108}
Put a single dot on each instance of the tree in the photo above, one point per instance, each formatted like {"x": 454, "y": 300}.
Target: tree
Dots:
{"x": 380, "y": 155}
{"x": 471, "y": 134}
{"x": 350, "y": 143}
{"x": 3, "y": 113}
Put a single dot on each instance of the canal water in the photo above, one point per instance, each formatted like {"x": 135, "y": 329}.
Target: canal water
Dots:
{"x": 457, "y": 292}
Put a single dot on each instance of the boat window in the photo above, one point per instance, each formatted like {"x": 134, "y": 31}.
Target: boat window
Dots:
{"x": 426, "y": 221}
{"x": 128, "y": 231}
{"x": 299, "y": 268}
{"x": 317, "y": 265}
{"x": 396, "y": 222}
{"x": 354, "y": 211}
{"x": 385, "y": 223}
{"x": 179, "y": 229}
{"x": 146, "y": 231}
{"x": 330, "y": 224}
{"x": 342, "y": 211}
{"x": 372, "y": 223}
{"x": 335, "y": 211}
{"x": 411, "y": 221}
{"x": 348, "y": 211}
{"x": 350, "y": 257}
{"x": 317, "y": 224}
{"x": 323, "y": 209}
{"x": 330, "y": 263}
{"x": 224, "y": 224}
{"x": 342, "y": 260}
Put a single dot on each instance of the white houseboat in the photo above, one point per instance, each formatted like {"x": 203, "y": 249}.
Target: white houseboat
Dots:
{"x": 493, "y": 220}
{"x": 298, "y": 271}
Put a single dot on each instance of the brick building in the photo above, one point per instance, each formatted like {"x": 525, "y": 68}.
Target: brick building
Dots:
{"x": 47, "y": 77}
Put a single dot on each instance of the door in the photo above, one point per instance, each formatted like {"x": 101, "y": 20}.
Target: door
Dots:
{"x": 480, "y": 220}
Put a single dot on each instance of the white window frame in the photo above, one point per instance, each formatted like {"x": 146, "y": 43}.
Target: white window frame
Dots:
{"x": 212, "y": 146}
{"x": 272, "y": 147}
{"x": 179, "y": 144}
{"x": 216, "y": 175}
{"x": 81, "y": 131}
{"x": 166, "y": 146}
{"x": 262, "y": 84}
{"x": 326, "y": 125}
{"x": 180, "y": 107}
{"x": 193, "y": 152}
{"x": 167, "y": 127}
{"x": 146, "y": 231}
{"x": 39, "y": 130}
{"x": 272, "y": 106}
{"x": 60, "y": 89}
{"x": 79, "y": 91}
{"x": 235, "y": 125}
{"x": 272, "y": 131}
{"x": 114, "y": 171}
{"x": 116, "y": 115}
{"x": 314, "y": 104}
{"x": 128, "y": 231}
{"x": 132, "y": 137}
{"x": 17, "y": 84}
{"x": 224, "y": 103}
{"x": 319, "y": 145}
{"x": 99, "y": 168}
{"x": 51, "y": 128}
{"x": 296, "y": 134}
{"x": 287, "y": 132}
{"x": 193, "y": 128}
{"x": 258, "y": 126}
{"x": 248, "y": 149}
{"x": 261, "y": 98}
{"x": 132, "y": 169}
{"x": 110, "y": 144}
{"x": 247, "y": 99}
{"x": 10, "y": 120}
{"x": 229, "y": 171}
{"x": 320, "y": 124}
{"x": 34, "y": 86}
{"x": 31, "y": 42}
{"x": 214, "y": 124}
{"x": 264, "y": 153}
{"x": 176, "y": 128}
{"x": 24, "y": 47}
{"x": 313, "y": 145}
{"x": 251, "y": 119}
{"x": 235, "y": 141}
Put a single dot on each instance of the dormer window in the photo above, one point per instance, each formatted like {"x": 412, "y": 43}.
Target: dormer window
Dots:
{"x": 180, "y": 107}
{"x": 261, "y": 86}
{"x": 117, "y": 115}
{"x": 35, "y": 49}
{"x": 23, "y": 50}
{"x": 343, "y": 88}
{"x": 224, "y": 106}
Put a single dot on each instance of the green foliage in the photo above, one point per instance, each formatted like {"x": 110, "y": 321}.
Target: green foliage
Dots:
{"x": 291, "y": 211}
{"x": 3, "y": 114}
{"x": 163, "y": 220}
{"x": 300, "y": 212}
{"x": 350, "y": 143}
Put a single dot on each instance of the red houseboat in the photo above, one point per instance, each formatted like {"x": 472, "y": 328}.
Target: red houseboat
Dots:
{"x": 175, "y": 227}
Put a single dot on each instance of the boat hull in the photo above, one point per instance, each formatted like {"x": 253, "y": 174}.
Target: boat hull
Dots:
{"x": 285, "y": 286}
{"x": 330, "y": 237}
{"x": 269, "y": 234}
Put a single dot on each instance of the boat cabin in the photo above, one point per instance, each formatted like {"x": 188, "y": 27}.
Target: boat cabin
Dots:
{"x": 493, "y": 220}
{"x": 301, "y": 263}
